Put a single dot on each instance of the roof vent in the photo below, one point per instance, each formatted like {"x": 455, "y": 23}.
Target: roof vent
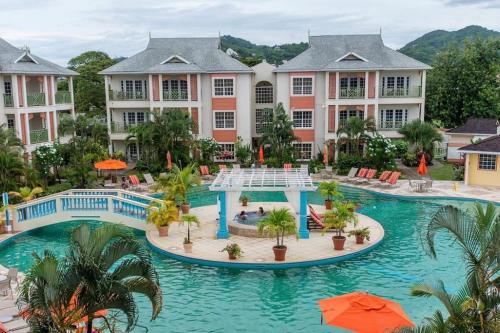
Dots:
{"x": 175, "y": 59}
{"x": 350, "y": 57}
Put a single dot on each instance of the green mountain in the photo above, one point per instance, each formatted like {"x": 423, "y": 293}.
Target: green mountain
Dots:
{"x": 424, "y": 48}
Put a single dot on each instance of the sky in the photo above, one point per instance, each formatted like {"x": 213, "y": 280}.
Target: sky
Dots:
{"x": 61, "y": 29}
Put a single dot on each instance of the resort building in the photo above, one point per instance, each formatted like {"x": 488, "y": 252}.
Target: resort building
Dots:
{"x": 482, "y": 162}
{"x": 343, "y": 76}
{"x": 34, "y": 95}
{"x": 192, "y": 74}
{"x": 473, "y": 130}
{"x": 336, "y": 78}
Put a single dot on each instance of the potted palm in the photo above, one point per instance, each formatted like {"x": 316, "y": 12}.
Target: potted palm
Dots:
{"x": 329, "y": 190}
{"x": 360, "y": 234}
{"x": 162, "y": 214}
{"x": 189, "y": 219}
{"x": 178, "y": 184}
{"x": 338, "y": 218}
{"x": 233, "y": 250}
{"x": 278, "y": 223}
{"x": 244, "y": 200}
{"x": 26, "y": 194}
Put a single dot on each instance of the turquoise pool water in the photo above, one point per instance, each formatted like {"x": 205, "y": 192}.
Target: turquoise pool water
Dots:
{"x": 204, "y": 299}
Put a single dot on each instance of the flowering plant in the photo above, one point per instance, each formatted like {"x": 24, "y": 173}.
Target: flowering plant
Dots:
{"x": 381, "y": 152}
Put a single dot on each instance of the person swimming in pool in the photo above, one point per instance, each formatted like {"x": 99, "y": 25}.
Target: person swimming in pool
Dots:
{"x": 261, "y": 212}
{"x": 243, "y": 215}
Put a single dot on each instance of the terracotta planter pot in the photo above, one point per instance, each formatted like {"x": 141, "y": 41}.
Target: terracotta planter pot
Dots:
{"x": 279, "y": 253}
{"x": 231, "y": 256}
{"x": 188, "y": 247}
{"x": 360, "y": 239}
{"x": 328, "y": 204}
{"x": 163, "y": 231}
{"x": 244, "y": 203}
{"x": 185, "y": 208}
{"x": 338, "y": 242}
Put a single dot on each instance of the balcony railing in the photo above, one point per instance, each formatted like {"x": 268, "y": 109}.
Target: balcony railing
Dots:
{"x": 352, "y": 92}
{"x": 391, "y": 125}
{"x": 175, "y": 95}
{"x": 36, "y": 99}
{"x": 128, "y": 95}
{"x": 415, "y": 91}
{"x": 121, "y": 127}
{"x": 8, "y": 100}
{"x": 39, "y": 136}
{"x": 63, "y": 97}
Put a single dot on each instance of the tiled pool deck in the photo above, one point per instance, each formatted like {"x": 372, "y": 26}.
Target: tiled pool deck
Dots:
{"x": 258, "y": 252}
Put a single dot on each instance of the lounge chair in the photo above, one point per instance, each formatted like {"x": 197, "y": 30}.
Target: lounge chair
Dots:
{"x": 135, "y": 183}
{"x": 6, "y": 287}
{"x": 361, "y": 174}
{"x": 393, "y": 180}
{"x": 351, "y": 175}
{"x": 304, "y": 169}
{"x": 204, "y": 170}
{"x": 149, "y": 179}
{"x": 327, "y": 172}
{"x": 368, "y": 176}
{"x": 287, "y": 166}
{"x": 14, "y": 325}
{"x": 384, "y": 176}
{"x": 163, "y": 175}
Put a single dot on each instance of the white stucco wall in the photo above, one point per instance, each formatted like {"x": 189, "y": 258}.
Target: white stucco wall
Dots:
{"x": 319, "y": 111}
{"x": 243, "y": 107}
{"x": 206, "y": 101}
{"x": 283, "y": 90}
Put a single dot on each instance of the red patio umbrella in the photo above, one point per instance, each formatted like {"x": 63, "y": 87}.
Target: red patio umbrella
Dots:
{"x": 363, "y": 313}
{"x": 261, "y": 155}
{"x": 422, "y": 168}
{"x": 169, "y": 161}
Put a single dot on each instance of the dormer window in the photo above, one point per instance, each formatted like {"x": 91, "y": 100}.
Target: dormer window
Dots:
{"x": 351, "y": 56}
{"x": 175, "y": 59}
{"x": 26, "y": 57}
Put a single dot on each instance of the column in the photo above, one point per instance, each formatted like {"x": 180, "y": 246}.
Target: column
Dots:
{"x": 48, "y": 125}
{"x": 72, "y": 93}
{"x": 222, "y": 232}
{"x": 27, "y": 121}
{"x": 303, "y": 231}
{"x": 160, "y": 87}
{"x": 367, "y": 85}
{"x": 53, "y": 89}
{"x": 23, "y": 88}
{"x": 337, "y": 85}
{"x": 46, "y": 92}
{"x": 150, "y": 88}
{"x": 19, "y": 131}
{"x": 15, "y": 92}
{"x": 377, "y": 83}
{"x": 200, "y": 105}
{"x": 5, "y": 199}
{"x": 467, "y": 169}
{"x": 422, "y": 91}
{"x": 189, "y": 89}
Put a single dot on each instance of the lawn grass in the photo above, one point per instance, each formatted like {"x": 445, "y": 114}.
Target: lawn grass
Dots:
{"x": 442, "y": 172}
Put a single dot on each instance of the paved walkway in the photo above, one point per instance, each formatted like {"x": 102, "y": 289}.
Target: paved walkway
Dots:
{"x": 410, "y": 172}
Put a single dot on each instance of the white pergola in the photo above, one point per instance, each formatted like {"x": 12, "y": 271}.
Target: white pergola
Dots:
{"x": 295, "y": 183}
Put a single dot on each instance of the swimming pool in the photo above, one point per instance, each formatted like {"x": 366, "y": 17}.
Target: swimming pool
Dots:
{"x": 205, "y": 299}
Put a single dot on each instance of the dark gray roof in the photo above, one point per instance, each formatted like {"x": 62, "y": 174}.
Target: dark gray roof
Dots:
{"x": 477, "y": 126}
{"x": 489, "y": 145}
{"x": 202, "y": 54}
{"x": 9, "y": 54}
{"x": 324, "y": 53}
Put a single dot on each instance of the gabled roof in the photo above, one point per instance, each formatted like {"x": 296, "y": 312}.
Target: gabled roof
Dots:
{"x": 338, "y": 52}
{"x": 489, "y": 145}
{"x": 201, "y": 54}
{"x": 477, "y": 126}
{"x": 18, "y": 61}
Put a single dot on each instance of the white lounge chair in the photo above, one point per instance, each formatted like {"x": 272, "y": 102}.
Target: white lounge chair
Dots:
{"x": 351, "y": 175}
{"x": 149, "y": 179}
{"x": 304, "y": 169}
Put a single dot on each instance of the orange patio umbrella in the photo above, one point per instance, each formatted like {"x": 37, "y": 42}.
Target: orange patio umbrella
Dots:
{"x": 110, "y": 165}
{"x": 261, "y": 155}
{"x": 363, "y": 313}
{"x": 422, "y": 168}
{"x": 325, "y": 156}
{"x": 169, "y": 161}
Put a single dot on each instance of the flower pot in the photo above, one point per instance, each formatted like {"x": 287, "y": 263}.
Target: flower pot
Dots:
{"x": 338, "y": 242}
{"x": 244, "y": 203}
{"x": 232, "y": 256}
{"x": 185, "y": 208}
{"x": 279, "y": 253}
{"x": 328, "y": 204}
{"x": 188, "y": 247}
{"x": 360, "y": 239}
{"x": 163, "y": 231}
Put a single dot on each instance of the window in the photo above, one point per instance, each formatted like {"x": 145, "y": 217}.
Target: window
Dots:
{"x": 487, "y": 162}
{"x": 303, "y": 151}
{"x": 175, "y": 90}
{"x": 7, "y": 88}
{"x": 395, "y": 85}
{"x": 224, "y": 87}
{"x": 263, "y": 92}
{"x": 226, "y": 152}
{"x": 352, "y": 87}
{"x": 140, "y": 117}
{"x": 134, "y": 89}
{"x": 302, "y": 119}
{"x": 262, "y": 118}
{"x": 344, "y": 115}
{"x": 10, "y": 123}
{"x": 302, "y": 86}
{"x": 133, "y": 152}
{"x": 224, "y": 120}
{"x": 392, "y": 119}
{"x": 133, "y": 118}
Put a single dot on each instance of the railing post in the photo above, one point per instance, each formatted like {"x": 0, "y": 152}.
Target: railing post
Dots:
{"x": 5, "y": 199}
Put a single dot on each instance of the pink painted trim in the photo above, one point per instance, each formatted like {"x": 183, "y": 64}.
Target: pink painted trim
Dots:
{"x": 156, "y": 92}
{"x": 194, "y": 87}
{"x": 331, "y": 118}
{"x": 332, "y": 85}
{"x": 371, "y": 84}
{"x": 49, "y": 88}
{"x": 20, "y": 90}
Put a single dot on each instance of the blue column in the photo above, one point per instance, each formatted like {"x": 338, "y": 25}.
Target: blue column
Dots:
{"x": 5, "y": 199}
{"x": 303, "y": 232}
{"x": 222, "y": 232}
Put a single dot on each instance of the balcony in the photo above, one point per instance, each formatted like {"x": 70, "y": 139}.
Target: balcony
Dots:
{"x": 63, "y": 97}
{"x": 36, "y": 99}
{"x": 128, "y": 96}
{"x": 415, "y": 91}
{"x": 8, "y": 100}
{"x": 352, "y": 93}
{"x": 39, "y": 136}
{"x": 121, "y": 127}
{"x": 390, "y": 125}
{"x": 175, "y": 95}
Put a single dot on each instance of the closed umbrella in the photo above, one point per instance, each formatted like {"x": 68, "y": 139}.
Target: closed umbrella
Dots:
{"x": 261, "y": 155}
{"x": 363, "y": 313}
{"x": 422, "y": 168}
{"x": 325, "y": 156}
{"x": 169, "y": 161}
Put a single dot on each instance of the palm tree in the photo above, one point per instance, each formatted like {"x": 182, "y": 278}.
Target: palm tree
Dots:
{"x": 9, "y": 142}
{"x": 179, "y": 182}
{"x": 329, "y": 190}
{"x": 26, "y": 193}
{"x": 421, "y": 137}
{"x": 189, "y": 219}
{"x": 278, "y": 223}
{"x": 162, "y": 214}
{"x": 11, "y": 167}
{"x": 354, "y": 133}
{"x": 474, "y": 308}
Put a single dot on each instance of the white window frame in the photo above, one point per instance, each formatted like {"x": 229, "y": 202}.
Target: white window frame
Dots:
{"x": 225, "y": 128}
{"x": 216, "y": 157}
{"x": 492, "y": 162}
{"x": 302, "y": 77}
{"x": 223, "y": 78}
{"x": 303, "y": 110}
{"x": 304, "y": 143}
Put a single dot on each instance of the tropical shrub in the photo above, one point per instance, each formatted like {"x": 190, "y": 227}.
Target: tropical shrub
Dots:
{"x": 410, "y": 159}
{"x": 57, "y": 188}
{"x": 354, "y": 133}
{"x": 401, "y": 147}
{"x": 421, "y": 137}
{"x": 162, "y": 213}
{"x": 45, "y": 159}
{"x": 242, "y": 152}
{"x": 179, "y": 182}
{"x": 381, "y": 152}
{"x": 346, "y": 161}
{"x": 278, "y": 223}
{"x": 208, "y": 149}
{"x": 458, "y": 172}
